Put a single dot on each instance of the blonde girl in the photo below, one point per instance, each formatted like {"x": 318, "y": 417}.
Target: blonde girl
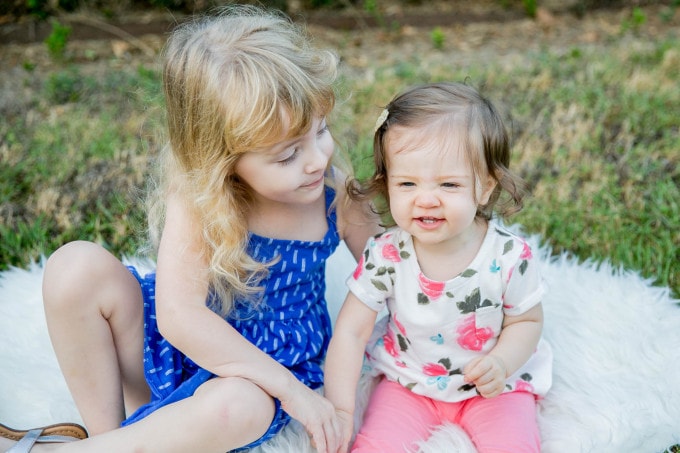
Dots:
{"x": 223, "y": 343}
{"x": 461, "y": 339}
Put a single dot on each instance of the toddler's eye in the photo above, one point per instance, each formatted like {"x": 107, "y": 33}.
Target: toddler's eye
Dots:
{"x": 450, "y": 185}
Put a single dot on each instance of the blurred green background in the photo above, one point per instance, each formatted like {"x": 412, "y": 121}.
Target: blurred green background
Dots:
{"x": 591, "y": 93}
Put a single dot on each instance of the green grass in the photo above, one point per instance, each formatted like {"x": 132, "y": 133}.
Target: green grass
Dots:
{"x": 595, "y": 133}
{"x": 73, "y": 163}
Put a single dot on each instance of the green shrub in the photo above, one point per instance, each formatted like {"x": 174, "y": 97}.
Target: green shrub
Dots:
{"x": 437, "y": 37}
{"x": 57, "y": 40}
{"x": 64, "y": 86}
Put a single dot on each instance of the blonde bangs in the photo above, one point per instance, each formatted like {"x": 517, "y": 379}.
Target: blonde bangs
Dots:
{"x": 273, "y": 106}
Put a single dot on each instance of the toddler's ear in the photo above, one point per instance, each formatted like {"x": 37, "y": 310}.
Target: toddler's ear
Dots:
{"x": 487, "y": 189}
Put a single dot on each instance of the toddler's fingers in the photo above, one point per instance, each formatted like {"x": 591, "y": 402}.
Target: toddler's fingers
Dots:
{"x": 474, "y": 370}
{"x": 491, "y": 388}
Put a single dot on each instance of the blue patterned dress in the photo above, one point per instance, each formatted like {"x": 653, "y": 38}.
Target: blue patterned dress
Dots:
{"x": 292, "y": 326}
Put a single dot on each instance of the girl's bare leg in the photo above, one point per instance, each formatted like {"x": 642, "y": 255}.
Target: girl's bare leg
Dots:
{"x": 94, "y": 310}
{"x": 93, "y": 306}
{"x": 223, "y": 414}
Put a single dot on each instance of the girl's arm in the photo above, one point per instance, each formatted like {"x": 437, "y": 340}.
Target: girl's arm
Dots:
{"x": 184, "y": 319}
{"x": 356, "y": 223}
{"x": 517, "y": 342}
{"x": 353, "y": 328}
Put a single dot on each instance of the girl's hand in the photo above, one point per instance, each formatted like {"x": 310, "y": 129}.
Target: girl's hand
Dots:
{"x": 488, "y": 373}
{"x": 317, "y": 415}
{"x": 346, "y": 429}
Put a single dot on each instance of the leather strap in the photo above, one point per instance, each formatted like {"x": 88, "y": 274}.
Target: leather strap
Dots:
{"x": 31, "y": 437}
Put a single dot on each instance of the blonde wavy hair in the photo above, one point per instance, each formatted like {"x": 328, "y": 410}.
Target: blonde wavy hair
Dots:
{"x": 233, "y": 82}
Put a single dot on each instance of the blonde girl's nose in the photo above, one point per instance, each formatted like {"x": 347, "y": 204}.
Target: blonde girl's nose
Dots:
{"x": 317, "y": 158}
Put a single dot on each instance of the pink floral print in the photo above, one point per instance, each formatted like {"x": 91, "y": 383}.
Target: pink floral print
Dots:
{"x": 399, "y": 325}
{"x": 471, "y": 338}
{"x": 430, "y": 288}
{"x": 435, "y": 369}
{"x": 526, "y": 252}
{"x": 523, "y": 386}
{"x": 390, "y": 343}
{"x": 360, "y": 268}
{"x": 390, "y": 252}
{"x": 431, "y": 323}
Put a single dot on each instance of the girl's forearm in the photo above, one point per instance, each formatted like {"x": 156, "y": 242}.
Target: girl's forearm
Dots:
{"x": 519, "y": 339}
{"x": 346, "y": 353}
{"x": 342, "y": 371}
{"x": 216, "y": 346}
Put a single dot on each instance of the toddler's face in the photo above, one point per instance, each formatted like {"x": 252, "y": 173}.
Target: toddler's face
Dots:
{"x": 431, "y": 186}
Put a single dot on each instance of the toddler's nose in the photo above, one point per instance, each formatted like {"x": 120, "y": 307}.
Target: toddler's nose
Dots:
{"x": 427, "y": 199}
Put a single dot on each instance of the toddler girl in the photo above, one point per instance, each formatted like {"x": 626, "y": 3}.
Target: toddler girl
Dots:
{"x": 461, "y": 339}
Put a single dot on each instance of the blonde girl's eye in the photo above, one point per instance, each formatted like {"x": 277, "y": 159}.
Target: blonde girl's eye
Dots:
{"x": 323, "y": 128}
{"x": 289, "y": 157}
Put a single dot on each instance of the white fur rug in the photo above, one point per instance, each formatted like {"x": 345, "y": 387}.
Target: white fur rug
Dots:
{"x": 616, "y": 341}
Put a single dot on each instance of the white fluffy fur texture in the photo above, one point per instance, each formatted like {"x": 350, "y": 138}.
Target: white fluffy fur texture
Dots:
{"x": 615, "y": 339}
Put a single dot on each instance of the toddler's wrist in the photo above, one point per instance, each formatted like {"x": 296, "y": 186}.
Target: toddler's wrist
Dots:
{"x": 501, "y": 364}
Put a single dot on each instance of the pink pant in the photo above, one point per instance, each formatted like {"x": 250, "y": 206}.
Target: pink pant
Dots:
{"x": 396, "y": 419}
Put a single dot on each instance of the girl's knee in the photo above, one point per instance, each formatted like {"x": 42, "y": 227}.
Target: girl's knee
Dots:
{"x": 75, "y": 272}
{"x": 237, "y": 402}
{"x": 64, "y": 269}
{"x": 74, "y": 259}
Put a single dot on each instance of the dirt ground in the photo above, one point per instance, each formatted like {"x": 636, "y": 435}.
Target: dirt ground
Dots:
{"x": 475, "y": 35}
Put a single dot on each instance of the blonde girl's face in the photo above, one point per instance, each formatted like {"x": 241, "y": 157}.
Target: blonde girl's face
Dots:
{"x": 432, "y": 188}
{"x": 291, "y": 171}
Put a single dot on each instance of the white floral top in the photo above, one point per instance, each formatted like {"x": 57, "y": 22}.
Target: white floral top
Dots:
{"x": 435, "y": 328}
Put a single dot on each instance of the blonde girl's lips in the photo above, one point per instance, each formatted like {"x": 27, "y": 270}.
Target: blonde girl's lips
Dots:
{"x": 314, "y": 184}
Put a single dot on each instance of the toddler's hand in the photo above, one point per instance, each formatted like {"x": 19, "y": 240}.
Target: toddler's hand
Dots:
{"x": 488, "y": 373}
